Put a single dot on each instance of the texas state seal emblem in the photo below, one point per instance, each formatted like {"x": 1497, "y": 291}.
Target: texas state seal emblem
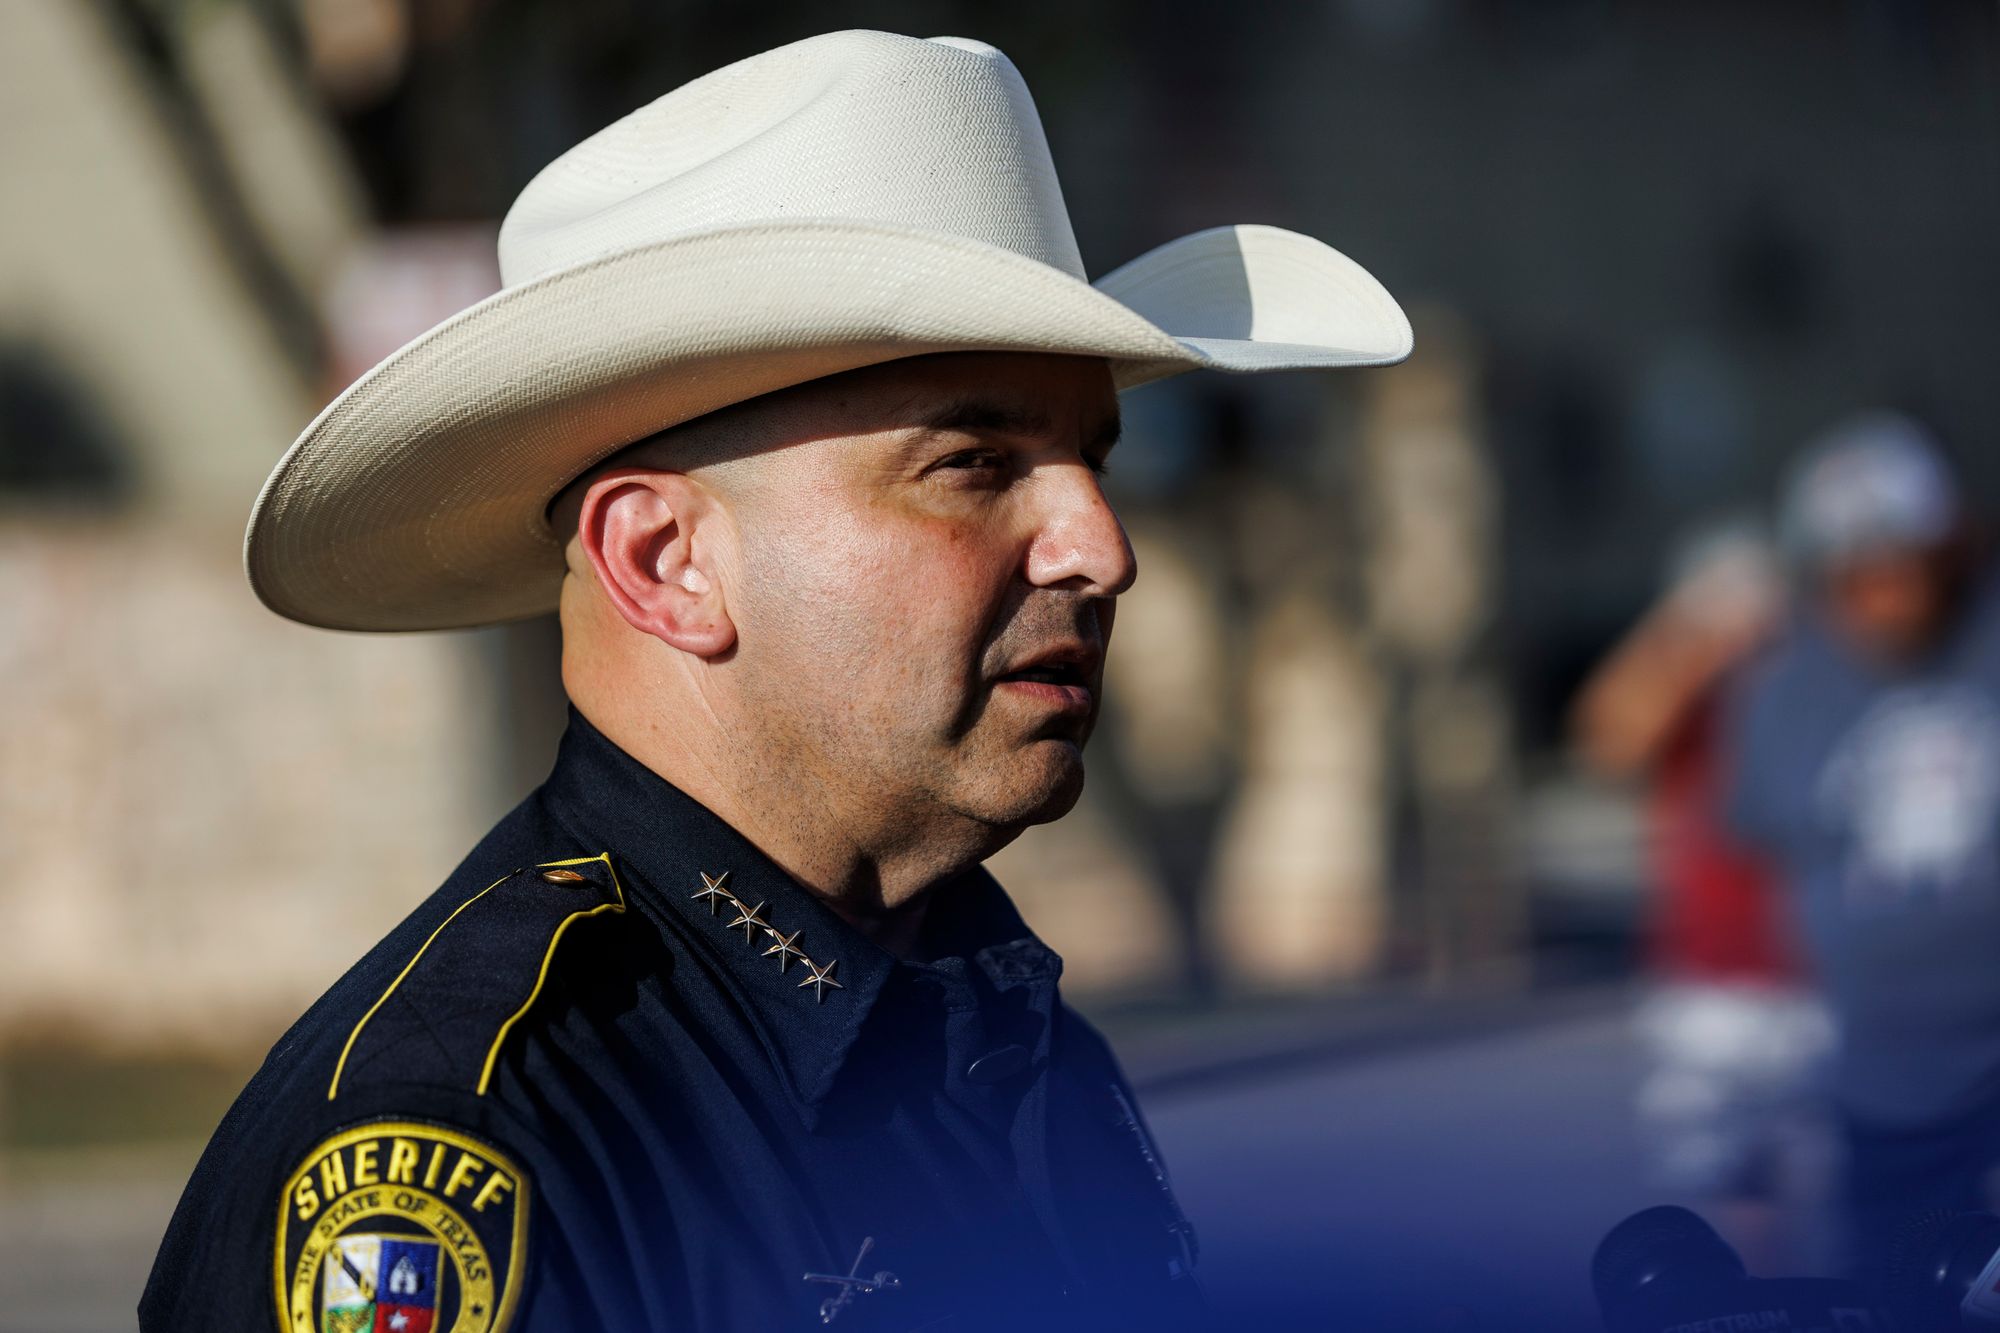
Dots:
{"x": 400, "y": 1227}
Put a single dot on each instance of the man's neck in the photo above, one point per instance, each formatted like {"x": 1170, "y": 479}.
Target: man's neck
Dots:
{"x": 880, "y": 885}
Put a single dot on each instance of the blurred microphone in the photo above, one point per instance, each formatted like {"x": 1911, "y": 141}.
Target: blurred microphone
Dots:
{"x": 1665, "y": 1270}
{"x": 1944, "y": 1273}
{"x": 1657, "y": 1255}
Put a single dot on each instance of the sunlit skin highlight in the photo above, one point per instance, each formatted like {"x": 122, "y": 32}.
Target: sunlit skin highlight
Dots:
{"x": 813, "y": 613}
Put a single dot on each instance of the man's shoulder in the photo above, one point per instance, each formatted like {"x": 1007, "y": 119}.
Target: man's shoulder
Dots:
{"x": 435, "y": 1000}
{"x": 385, "y": 1089}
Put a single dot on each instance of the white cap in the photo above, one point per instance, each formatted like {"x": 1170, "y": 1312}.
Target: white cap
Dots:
{"x": 1874, "y": 482}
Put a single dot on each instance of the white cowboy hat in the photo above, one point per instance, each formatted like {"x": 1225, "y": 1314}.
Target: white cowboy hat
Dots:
{"x": 839, "y": 202}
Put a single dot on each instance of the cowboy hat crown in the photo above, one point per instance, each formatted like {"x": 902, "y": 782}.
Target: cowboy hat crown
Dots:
{"x": 939, "y": 135}
{"x": 839, "y": 202}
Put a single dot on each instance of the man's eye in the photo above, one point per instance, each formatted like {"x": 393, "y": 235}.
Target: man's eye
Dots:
{"x": 976, "y": 460}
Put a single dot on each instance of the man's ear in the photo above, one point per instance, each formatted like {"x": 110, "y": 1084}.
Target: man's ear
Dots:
{"x": 651, "y": 538}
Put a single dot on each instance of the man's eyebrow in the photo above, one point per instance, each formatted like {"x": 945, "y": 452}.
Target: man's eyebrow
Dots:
{"x": 980, "y": 414}
{"x": 985, "y": 415}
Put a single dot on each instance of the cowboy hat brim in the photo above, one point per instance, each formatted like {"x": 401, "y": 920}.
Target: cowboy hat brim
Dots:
{"x": 418, "y": 498}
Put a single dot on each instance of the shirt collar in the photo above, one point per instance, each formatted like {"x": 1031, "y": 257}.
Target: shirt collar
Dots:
{"x": 690, "y": 865}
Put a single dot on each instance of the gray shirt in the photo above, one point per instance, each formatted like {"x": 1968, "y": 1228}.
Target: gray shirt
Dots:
{"x": 1878, "y": 796}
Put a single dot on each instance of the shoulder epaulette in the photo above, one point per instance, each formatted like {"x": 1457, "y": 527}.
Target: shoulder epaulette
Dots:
{"x": 449, "y": 1011}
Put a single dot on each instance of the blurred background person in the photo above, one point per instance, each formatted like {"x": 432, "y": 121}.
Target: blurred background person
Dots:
{"x": 1868, "y": 765}
{"x": 1732, "y": 1034}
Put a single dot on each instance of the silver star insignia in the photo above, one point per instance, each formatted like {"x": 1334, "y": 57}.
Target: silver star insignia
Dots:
{"x": 821, "y": 978}
{"x": 715, "y": 890}
{"x": 747, "y": 918}
{"x": 785, "y": 949}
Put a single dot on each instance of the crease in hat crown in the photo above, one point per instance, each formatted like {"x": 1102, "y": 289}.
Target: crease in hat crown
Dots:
{"x": 938, "y": 134}
{"x": 840, "y": 202}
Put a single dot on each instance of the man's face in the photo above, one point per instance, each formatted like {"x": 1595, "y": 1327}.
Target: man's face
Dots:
{"x": 926, "y": 584}
{"x": 1891, "y": 605}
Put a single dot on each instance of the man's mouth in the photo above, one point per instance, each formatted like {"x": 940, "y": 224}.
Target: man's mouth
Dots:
{"x": 1053, "y": 674}
{"x": 1061, "y": 681}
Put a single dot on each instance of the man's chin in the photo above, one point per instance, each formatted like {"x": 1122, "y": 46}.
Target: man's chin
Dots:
{"x": 1044, "y": 785}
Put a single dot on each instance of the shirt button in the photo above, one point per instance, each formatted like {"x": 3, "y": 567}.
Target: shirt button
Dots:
{"x": 998, "y": 1066}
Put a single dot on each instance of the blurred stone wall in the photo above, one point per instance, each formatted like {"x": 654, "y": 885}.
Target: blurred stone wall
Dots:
{"x": 207, "y": 812}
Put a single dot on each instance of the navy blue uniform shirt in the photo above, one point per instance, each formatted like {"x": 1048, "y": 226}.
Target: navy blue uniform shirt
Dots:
{"x": 621, "y": 1072}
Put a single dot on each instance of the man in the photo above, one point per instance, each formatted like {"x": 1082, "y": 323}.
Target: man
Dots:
{"x": 1867, "y": 761}
{"x": 724, "y": 1027}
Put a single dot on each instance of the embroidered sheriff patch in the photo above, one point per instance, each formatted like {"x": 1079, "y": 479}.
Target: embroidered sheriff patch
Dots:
{"x": 397, "y": 1227}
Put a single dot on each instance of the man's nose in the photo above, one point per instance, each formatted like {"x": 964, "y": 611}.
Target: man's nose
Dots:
{"x": 1080, "y": 545}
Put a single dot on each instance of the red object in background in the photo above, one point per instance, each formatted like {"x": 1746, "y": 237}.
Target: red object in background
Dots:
{"x": 1718, "y": 913}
